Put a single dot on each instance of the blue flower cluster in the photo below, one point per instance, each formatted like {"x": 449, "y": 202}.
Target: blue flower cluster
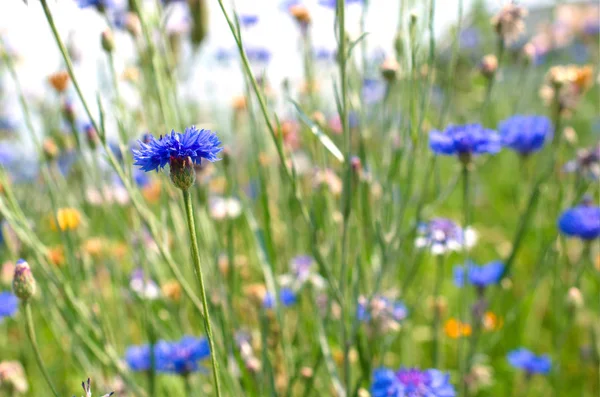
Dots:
{"x": 529, "y": 362}
{"x": 179, "y": 357}
{"x": 524, "y": 134}
{"x": 411, "y": 382}
{"x": 193, "y": 143}
{"x": 478, "y": 276}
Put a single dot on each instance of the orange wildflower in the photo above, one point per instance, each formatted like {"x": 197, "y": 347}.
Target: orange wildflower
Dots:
{"x": 455, "y": 329}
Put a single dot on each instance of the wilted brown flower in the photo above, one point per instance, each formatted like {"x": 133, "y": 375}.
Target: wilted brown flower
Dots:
{"x": 508, "y": 23}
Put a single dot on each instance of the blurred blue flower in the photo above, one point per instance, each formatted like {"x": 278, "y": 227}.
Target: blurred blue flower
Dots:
{"x": 470, "y": 38}
{"x": 479, "y": 276}
{"x": 586, "y": 163}
{"x": 381, "y": 309}
{"x": 582, "y": 221}
{"x": 248, "y": 20}
{"x": 529, "y": 362}
{"x": 7, "y": 154}
{"x": 525, "y": 134}
{"x": 411, "y": 382}
{"x": 258, "y": 54}
{"x": 373, "y": 90}
{"x": 181, "y": 357}
{"x": 99, "y": 4}
{"x": 442, "y": 235}
{"x": 193, "y": 143}
{"x": 464, "y": 140}
{"x": 138, "y": 358}
{"x": 141, "y": 178}
{"x": 7, "y": 126}
{"x": 287, "y": 297}
{"x": 9, "y": 304}
{"x": 323, "y": 54}
{"x": 223, "y": 54}
{"x": 333, "y": 3}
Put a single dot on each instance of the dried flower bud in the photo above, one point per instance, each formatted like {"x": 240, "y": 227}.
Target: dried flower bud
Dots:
{"x": 24, "y": 285}
{"x": 133, "y": 25}
{"x": 107, "y": 40}
{"x": 574, "y": 297}
{"x": 50, "y": 149}
{"x": 508, "y": 23}
{"x": 389, "y": 69}
{"x": 488, "y": 66}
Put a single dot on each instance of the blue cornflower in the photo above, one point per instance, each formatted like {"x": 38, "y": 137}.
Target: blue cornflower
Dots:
{"x": 411, "y": 382}
{"x": 138, "y": 358}
{"x": 525, "y": 134}
{"x": 7, "y": 126}
{"x": 9, "y": 304}
{"x": 479, "y": 276}
{"x": 582, "y": 221}
{"x": 529, "y": 362}
{"x": 442, "y": 235}
{"x": 323, "y": 54}
{"x": 287, "y": 297}
{"x": 181, "y": 357}
{"x": 464, "y": 140}
{"x": 258, "y": 54}
{"x": 7, "y": 154}
{"x": 193, "y": 143}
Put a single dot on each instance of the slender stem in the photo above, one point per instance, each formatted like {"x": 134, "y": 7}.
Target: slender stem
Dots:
{"x": 439, "y": 277}
{"x": 36, "y": 349}
{"x": 189, "y": 211}
{"x": 463, "y": 291}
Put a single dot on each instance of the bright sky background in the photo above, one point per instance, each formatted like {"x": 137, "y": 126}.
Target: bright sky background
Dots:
{"x": 25, "y": 29}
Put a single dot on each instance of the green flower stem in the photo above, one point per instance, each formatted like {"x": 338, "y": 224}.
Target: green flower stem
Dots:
{"x": 36, "y": 349}
{"x": 439, "y": 277}
{"x": 463, "y": 292}
{"x": 189, "y": 211}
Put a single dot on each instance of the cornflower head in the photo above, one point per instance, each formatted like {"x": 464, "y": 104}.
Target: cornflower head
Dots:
{"x": 9, "y": 305}
{"x": 525, "y": 134}
{"x": 181, "y": 357}
{"x": 383, "y": 313}
{"x": 411, "y": 382}
{"x": 529, "y": 362}
{"x": 257, "y": 54}
{"x": 587, "y": 163}
{"x": 180, "y": 151}
{"x": 464, "y": 141}
{"x": 478, "y": 276}
{"x": 582, "y": 221}
{"x": 508, "y": 22}
{"x": 442, "y": 235}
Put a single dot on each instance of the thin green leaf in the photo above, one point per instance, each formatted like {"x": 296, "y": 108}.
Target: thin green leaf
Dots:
{"x": 321, "y": 136}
